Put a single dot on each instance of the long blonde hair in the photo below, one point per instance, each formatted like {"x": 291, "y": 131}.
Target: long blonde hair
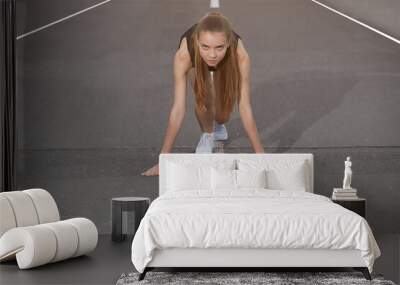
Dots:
{"x": 227, "y": 75}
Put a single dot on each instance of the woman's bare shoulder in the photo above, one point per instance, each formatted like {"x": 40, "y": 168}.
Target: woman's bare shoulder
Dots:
{"x": 182, "y": 56}
{"x": 241, "y": 50}
{"x": 183, "y": 50}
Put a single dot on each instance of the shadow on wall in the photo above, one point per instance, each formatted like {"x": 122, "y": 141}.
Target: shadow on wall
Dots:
{"x": 292, "y": 104}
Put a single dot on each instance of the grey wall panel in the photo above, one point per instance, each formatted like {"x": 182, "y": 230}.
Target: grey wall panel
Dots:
{"x": 2, "y": 102}
{"x": 87, "y": 87}
{"x": 95, "y": 91}
{"x": 83, "y": 182}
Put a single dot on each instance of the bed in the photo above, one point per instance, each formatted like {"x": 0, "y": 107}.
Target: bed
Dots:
{"x": 247, "y": 210}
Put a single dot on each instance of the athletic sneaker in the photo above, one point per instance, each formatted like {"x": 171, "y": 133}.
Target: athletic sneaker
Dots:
{"x": 206, "y": 143}
{"x": 220, "y": 133}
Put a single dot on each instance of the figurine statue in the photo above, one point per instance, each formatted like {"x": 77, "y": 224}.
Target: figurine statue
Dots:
{"x": 348, "y": 173}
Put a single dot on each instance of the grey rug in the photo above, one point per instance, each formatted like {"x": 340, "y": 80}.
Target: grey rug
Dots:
{"x": 270, "y": 278}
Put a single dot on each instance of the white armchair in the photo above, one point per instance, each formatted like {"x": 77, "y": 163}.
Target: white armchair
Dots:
{"x": 32, "y": 233}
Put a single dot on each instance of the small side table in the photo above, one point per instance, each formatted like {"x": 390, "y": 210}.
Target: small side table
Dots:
{"x": 138, "y": 205}
{"x": 357, "y": 205}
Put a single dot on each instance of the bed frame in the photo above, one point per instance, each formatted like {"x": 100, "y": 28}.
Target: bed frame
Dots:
{"x": 246, "y": 258}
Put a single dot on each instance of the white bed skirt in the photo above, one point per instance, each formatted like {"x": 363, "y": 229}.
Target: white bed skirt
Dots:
{"x": 234, "y": 257}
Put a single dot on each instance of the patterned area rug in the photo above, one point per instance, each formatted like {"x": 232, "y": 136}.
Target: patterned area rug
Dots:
{"x": 270, "y": 278}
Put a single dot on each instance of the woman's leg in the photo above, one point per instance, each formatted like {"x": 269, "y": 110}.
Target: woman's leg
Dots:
{"x": 214, "y": 112}
{"x": 220, "y": 116}
{"x": 220, "y": 132}
{"x": 205, "y": 119}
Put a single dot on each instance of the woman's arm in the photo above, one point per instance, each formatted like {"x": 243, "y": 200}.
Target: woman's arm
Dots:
{"x": 245, "y": 111}
{"x": 182, "y": 64}
{"x": 178, "y": 109}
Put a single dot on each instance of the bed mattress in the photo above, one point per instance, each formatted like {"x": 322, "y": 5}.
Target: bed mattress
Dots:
{"x": 252, "y": 219}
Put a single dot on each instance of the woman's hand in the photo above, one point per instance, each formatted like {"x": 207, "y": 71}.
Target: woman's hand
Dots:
{"x": 152, "y": 171}
{"x": 260, "y": 150}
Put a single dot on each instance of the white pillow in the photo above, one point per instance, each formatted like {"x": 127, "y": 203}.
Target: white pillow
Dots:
{"x": 184, "y": 174}
{"x": 228, "y": 179}
{"x": 223, "y": 179}
{"x": 281, "y": 174}
{"x": 293, "y": 179}
{"x": 182, "y": 177}
{"x": 251, "y": 178}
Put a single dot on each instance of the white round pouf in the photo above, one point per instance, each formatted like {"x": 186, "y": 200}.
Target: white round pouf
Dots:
{"x": 67, "y": 240}
{"x": 23, "y": 208}
{"x": 46, "y": 207}
{"x": 87, "y": 233}
{"x": 7, "y": 216}
{"x": 33, "y": 246}
{"x": 31, "y": 233}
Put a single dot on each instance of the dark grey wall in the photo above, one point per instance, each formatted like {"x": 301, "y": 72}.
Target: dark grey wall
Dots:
{"x": 2, "y": 91}
{"x": 95, "y": 91}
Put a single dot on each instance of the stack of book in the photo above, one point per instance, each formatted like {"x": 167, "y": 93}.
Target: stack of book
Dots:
{"x": 344, "y": 194}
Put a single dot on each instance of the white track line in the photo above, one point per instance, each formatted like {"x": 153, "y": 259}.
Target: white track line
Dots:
{"x": 358, "y": 22}
{"x": 214, "y": 3}
{"x": 58, "y": 21}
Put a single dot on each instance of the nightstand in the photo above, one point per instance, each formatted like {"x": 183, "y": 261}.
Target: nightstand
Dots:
{"x": 357, "y": 205}
{"x": 120, "y": 207}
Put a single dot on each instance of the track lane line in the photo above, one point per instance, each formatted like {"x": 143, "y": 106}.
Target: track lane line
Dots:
{"x": 358, "y": 22}
{"x": 60, "y": 20}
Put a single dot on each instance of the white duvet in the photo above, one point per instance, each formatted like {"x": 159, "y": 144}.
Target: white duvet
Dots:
{"x": 250, "y": 218}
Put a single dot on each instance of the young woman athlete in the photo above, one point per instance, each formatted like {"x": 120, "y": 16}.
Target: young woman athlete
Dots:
{"x": 214, "y": 57}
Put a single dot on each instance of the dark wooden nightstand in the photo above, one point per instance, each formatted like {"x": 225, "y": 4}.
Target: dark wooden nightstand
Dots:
{"x": 358, "y": 205}
{"x": 120, "y": 206}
